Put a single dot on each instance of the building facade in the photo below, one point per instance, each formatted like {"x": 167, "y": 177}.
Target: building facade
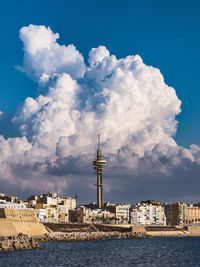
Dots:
{"x": 147, "y": 214}
{"x": 11, "y": 205}
{"x": 176, "y": 213}
{"x": 193, "y": 215}
{"x": 120, "y": 211}
{"x": 56, "y": 208}
{"x": 86, "y": 215}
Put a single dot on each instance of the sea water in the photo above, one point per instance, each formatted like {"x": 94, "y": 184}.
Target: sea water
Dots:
{"x": 160, "y": 251}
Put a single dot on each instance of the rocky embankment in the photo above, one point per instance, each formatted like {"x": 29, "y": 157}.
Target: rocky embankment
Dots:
{"x": 18, "y": 242}
{"x": 22, "y": 242}
{"x": 82, "y": 236}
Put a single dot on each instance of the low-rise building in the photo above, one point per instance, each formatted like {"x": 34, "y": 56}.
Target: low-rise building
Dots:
{"x": 79, "y": 215}
{"x": 63, "y": 213}
{"x": 51, "y": 212}
{"x": 121, "y": 212}
{"x": 69, "y": 202}
{"x": 86, "y": 215}
{"x": 52, "y": 199}
{"x": 8, "y": 198}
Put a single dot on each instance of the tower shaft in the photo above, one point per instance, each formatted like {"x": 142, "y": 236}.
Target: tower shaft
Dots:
{"x": 99, "y": 191}
{"x": 98, "y": 164}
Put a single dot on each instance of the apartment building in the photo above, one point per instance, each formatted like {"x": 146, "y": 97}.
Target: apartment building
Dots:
{"x": 147, "y": 214}
{"x": 121, "y": 212}
{"x": 176, "y": 213}
{"x": 193, "y": 214}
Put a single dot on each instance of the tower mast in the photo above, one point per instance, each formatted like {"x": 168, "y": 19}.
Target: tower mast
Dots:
{"x": 98, "y": 164}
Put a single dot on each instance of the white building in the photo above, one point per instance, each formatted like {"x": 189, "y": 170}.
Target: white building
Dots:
{"x": 41, "y": 214}
{"x": 147, "y": 214}
{"x": 52, "y": 200}
{"x": 10, "y": 205}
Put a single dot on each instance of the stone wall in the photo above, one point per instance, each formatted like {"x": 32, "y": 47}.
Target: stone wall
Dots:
{"x": 69, "y": 227}
{"x": 193, "y": 229}
{"x": 23, "y": 221}
{"x": 110, "y": 228}
{"x": 138, "y": 229}
{"x": 19, "y": 215}
{"x": 7, "y": 228}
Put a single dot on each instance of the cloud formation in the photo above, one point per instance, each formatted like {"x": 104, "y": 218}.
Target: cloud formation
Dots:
{"x": 125, "y": 100}
{"x": 44, "y": 57}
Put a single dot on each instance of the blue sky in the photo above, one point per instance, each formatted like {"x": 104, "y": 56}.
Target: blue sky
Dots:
{"x": 164, "y": 33}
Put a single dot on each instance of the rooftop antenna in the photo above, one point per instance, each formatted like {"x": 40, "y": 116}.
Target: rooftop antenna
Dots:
{"x": 99, "y": 141}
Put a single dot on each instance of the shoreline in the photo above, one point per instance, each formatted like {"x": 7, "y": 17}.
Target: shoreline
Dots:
{"x": 24, "y": 242}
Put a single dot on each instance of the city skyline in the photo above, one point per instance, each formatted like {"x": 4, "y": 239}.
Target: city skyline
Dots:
{"x": 66, "y": 79}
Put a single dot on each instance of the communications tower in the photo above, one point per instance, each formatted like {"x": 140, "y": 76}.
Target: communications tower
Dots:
{"x": 98, "y": 164}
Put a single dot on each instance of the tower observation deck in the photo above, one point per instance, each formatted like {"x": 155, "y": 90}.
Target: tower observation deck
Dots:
{"x": 98, "y": 164}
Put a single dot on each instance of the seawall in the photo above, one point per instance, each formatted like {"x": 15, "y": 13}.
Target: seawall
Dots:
{"x": 7, "y": 228}
{"x": 13, "y": 222}
{"x": 150, "y": 230}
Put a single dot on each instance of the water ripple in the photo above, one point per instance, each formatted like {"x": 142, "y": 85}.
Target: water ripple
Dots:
{"x": 159, "y": 252}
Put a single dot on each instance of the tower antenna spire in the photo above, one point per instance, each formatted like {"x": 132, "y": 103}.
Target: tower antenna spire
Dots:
{"x": 99, "y": 141}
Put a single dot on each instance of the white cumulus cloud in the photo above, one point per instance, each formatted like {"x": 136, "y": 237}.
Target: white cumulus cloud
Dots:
{"x": 44, "y": 57}
{"x": 125, "y": 100}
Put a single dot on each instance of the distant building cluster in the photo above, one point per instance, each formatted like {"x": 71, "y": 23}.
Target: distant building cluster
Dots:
{"x": 173, "y": 214}
{"x": 51, "y": 208}
{"x": 109, "y": 214}
{"x": 148, "y": 213}
{"x": 48, "y": 207}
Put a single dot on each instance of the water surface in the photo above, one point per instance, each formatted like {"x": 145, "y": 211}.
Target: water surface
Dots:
{"x": 159, "y": 252}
